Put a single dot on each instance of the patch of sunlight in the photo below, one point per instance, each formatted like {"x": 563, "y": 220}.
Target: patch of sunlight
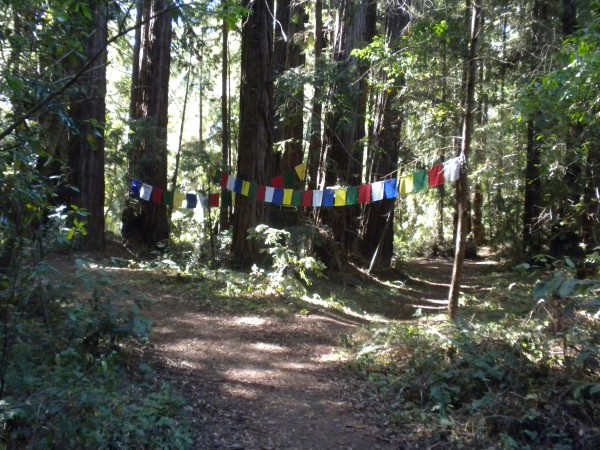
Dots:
{"x": 251, "y": 375}
{"x": 271, "y": 348}
{"x": 241, "y": 391}
{"x": 250, "y": 320}
{"x": 331, "y": 357}
{"x": 317, "y": 300}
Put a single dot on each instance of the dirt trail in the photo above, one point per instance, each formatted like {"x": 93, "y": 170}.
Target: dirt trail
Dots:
{"x": 265, "y": 381}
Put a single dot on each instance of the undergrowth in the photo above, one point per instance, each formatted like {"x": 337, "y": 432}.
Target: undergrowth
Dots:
{"x": 522, "y": 375}
{"x": 68, "y": 380}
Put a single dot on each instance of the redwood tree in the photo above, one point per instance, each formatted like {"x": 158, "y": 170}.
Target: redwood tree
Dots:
{"x": 255, "y": 153}
{"x": 150, "y": 95}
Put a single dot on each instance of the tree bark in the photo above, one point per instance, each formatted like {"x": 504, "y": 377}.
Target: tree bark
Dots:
{"x": 463, "y": 182}
{"x": 224, "y": 211}
{"x": 86, "y": 147}
{"x": 315, "y": 139}
{"x": 255, "y": 153}
{"x": 149, "y": 157}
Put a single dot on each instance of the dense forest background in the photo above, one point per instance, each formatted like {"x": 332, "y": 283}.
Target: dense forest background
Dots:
{"x": 95, "y": 94}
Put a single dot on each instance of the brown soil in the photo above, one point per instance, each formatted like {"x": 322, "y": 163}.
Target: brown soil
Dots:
{"x": 263, "y": 380}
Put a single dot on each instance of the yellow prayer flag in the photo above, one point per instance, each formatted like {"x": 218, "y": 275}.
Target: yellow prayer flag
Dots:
{"x": 178, "y": 198}
{"x": 287, "y": 196}
{"x": 233, "y": 194}
{"x": 301, "y": 170}
{"x": 245, "y": 188}
{"x": 406, "y": 184}
{"x": 340, "y": 197}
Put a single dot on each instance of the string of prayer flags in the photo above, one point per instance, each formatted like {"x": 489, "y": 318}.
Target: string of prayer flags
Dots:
{"x": 282, "y": 192}
{"x": 435, "y": 175}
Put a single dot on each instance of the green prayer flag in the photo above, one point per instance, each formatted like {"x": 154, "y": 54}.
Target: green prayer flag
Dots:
{"x": 289, "y": 178}
{"x": 168, "y": 198}
{"x": 253, "y": 190}
{"x": 226, "y": 198}
{"x": 352, "y": 195}
{"x": 296, "y": 198}
{"x": 419, "y": 180}
{"x": 216, "y": 179}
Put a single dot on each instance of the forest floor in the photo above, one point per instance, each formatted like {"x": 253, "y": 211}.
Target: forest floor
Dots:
{"x": 270, "y": 372}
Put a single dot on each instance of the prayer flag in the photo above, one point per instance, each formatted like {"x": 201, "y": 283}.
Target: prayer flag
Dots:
{"x": 230, "y": 183}
{"x": 352, "y": 195}
{"x": 307, "y": 198}
{"x": 145, "y": 191}
{"x": 237, "y": 187}
{"x": 168, "y": 198}
{"x": 226, "y": 199}
{"x": 435, "y": 175}
{"x": 406, "y": 184}
{"x": 253, "y": 191}
{"x": 178, "y": 198}
{"x": 277, "y": 196}
{"x": 289, "y": 178}
{"x": 224, "y": 179}
{"x": 245, "y": 188}
{"x": 156, "y": 196}
{"x": 317, "y": 198}
{"x": 136, "y": 185}
{"x": 419, "y": 180}
{"x": 340, "y": 197}
{"x": 216, "y": 176}
{"x": 377, "y": 191}
{"x": 191, "y": 200}
{"x": 391, "y": 188}
{"x": 452, "y": 169}
{"x": 287, "y": 196}
{"x": 296, "y": 198}
{"x": 364, "y": 193}
{"x": 213, "y": 200}
{"x": 202, "y": 201}
{"x": 277, "y": 182}
{"x": 269, "y": 194}
{"x": 301, "y": 170}
{"x": 328, "y": 196}
{"x": 260, "y": 193}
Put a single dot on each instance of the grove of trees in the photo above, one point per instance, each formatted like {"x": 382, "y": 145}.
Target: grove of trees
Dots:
{"x": 94, "y": 94}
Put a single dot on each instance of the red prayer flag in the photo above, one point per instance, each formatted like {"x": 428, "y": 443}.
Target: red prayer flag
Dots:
{"x": 224, "y": 178}
{"x": 436, "y": 175}
{"x": 260, "y": 193}
{"x": 364, "y": 193}
{"x": 156, "y": 195}
{"x": 213, "y": 200}
{"x": 277, "y": 182}
{"x": 307, "y": 197}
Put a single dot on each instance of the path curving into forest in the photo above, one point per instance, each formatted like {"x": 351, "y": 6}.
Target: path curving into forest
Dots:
{"x": 259, "y": 380}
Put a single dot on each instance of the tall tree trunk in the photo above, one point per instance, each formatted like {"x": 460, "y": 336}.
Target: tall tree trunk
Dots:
{"x": 224, "y": 211}
{"x": 532, "y": 207}
{"x": 463, "y": 182}
{"x": 149, "y": 157}
{"x": 289, "y": 104}
{"x": 315, "y": 140}
{"x": 86, "y": 147}
{"x": 343, "y": 147}
{"x": 377, "y": 239}
{"x": 255, "y": 153}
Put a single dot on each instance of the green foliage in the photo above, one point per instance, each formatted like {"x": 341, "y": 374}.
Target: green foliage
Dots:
{"x": 528, "y": 379}
{"x": 288, "y": 259}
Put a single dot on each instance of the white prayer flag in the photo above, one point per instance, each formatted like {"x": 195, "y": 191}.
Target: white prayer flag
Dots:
{"x": 377, "y": 190}
{"x": 145, "y": 192}
{"x": 452, "y": 169}
{"x": 269, "y": 194}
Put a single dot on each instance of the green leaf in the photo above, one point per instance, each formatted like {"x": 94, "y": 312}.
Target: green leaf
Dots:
{"x": 566, "y": 288}
{"x": 549, "y": 287}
